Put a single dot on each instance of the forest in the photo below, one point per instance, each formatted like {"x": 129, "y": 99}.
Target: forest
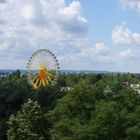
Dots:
{"x": 80, "y": 106}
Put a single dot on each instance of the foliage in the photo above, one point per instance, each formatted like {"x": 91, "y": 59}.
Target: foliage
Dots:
{"x": 89, "y": 113}
{"x": 28, "y": 124}
{"x": 47, "y": 97}
{"x": 72, "y": 79}
{"x": 98, "y": 106}
{"x": 15, "y": 90}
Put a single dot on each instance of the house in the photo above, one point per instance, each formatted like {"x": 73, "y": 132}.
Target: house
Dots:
{"x": 66, "y": 88}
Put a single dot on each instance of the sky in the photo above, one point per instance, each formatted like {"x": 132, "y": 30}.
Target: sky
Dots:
{"x": 83, "y": 34}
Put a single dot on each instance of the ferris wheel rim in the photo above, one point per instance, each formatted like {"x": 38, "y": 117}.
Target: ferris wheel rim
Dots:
{"x": 53, "y": 62}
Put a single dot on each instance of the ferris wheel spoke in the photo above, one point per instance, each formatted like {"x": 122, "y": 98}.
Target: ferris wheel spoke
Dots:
{"x": 42, "y": 57}
{"x": 52, "y": 66}
{"x": 49, "y": 79}
{"x": 51, "y": 63}
{"x": 50, "y": 74}
{"x": 48, "y": 60}
{"x": 36, "y": 62}
{"x": 38, "y": 59}
{"x": 42, "y": 68}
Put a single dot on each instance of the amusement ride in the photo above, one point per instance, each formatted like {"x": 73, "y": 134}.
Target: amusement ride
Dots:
{"x": 42, "y": 68}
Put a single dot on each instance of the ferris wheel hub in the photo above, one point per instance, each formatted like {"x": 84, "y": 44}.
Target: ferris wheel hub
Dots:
{"x": 43, "y": 68}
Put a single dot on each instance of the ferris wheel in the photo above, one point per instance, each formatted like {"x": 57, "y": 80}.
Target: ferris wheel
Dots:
{"x": 42, "y": 68}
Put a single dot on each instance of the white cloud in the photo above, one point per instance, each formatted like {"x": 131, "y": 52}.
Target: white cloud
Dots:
{"x": 4, "y": 46}
{"x": 71, "y": 20}
{"x": 27, "y": 25}
{"x": 100, "y": 57}
{"x": 134, "y": 4}
{"x": 98, "y": 50}
{"x": 124, "y": 36}
{"x": 126, "y": 54}
{"x": 88, "y": 57}
{"x": 101, "y": 48}
{"x": 28, "y": 11}
{"x": 72, "y": 10}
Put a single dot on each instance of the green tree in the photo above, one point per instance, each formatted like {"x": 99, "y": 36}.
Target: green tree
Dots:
{"x": 28, "y": 124}
{"x": 12, "y": 95}
{"x": 48, "y": 96}
{"x": 71, "y": 114}
{"x": 107, "y": 111}
{"x": 133, "y": 123}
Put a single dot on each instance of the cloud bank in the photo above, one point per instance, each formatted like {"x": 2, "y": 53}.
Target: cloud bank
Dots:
{"x": 123, "y": 35}
{"x": 27, "y": 25}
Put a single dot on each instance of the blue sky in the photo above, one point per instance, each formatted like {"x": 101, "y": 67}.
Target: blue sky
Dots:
{"x": 84, "y": 34}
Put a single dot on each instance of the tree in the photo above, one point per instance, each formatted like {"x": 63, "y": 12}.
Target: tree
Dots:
{"x": 12, "y": 95}
{"x": 70, "y": 116}
{"x": 89, "y": 113}
{"x": 16, "y": 73}
{"x": 48, "y": 96}
{"x": 28, "y": 124}
{"x": 133, "y": 120}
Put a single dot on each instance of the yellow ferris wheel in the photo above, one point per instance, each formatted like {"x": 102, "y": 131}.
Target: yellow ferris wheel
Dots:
{"x": 42, "y": 68}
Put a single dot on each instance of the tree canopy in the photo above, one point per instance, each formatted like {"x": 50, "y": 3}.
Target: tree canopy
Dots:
{"x": 96, "y": 107}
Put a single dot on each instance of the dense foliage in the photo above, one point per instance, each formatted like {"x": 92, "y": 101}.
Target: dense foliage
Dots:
{"x": 15, "y": 91}
{"x": 94, "y": 107}
{"x": 28, "y": 124}
{"x": 96, "y": 114}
